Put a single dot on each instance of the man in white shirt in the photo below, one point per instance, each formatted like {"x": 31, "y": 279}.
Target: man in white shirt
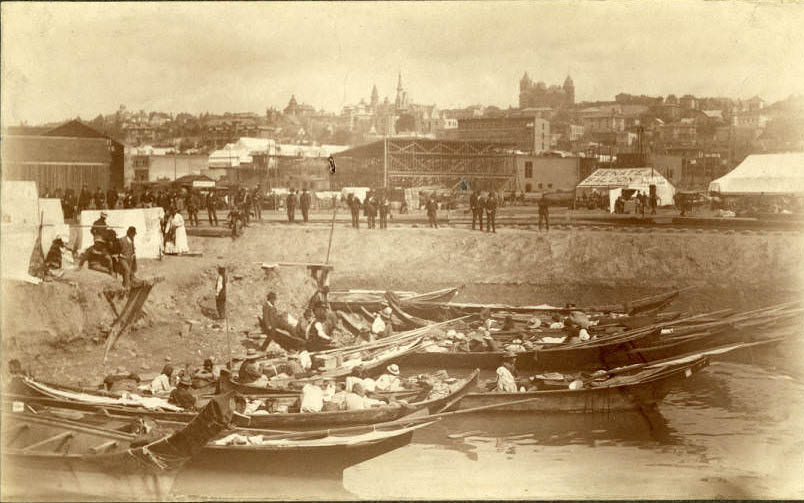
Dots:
{"x": 505, "y": 375}
{"x": 312, "y": 399}
{"x": 357, "y": 399}
{"x": 381, "y": 327}
{"x": 161, "y": 383}
{"x": 390, "y": 381}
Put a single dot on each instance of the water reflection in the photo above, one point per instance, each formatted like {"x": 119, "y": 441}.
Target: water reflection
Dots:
{"x": 509, "y": 432}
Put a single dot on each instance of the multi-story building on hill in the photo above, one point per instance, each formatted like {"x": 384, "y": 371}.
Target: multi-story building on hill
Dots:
{"x": 539, "y": 95}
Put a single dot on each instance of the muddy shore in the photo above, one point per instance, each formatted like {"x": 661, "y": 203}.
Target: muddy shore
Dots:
{"x": 57, "y": 328}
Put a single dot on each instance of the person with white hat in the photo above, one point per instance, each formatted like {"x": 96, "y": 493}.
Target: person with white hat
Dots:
{"x": 381, "y": 327}
{"x": 534, "y": 323}
{"x": 390, "y": 380}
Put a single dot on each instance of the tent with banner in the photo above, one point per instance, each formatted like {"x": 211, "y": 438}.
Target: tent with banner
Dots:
{"x": 764, "y": 174}
{"x": 614, "y": 182}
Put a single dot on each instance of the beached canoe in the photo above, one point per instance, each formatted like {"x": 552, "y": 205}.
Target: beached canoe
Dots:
{"x": 48, "y": 456}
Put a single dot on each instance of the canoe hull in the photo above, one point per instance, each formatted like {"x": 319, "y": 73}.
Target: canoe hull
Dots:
{"x": 640, "y": 396}
{"x": 558, "y": 359}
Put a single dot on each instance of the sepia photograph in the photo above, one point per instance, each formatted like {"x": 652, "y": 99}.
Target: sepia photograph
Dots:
{"x": 389, "y": 251}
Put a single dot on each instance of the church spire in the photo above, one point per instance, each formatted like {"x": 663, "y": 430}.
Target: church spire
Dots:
{"x": 375, "y": 96}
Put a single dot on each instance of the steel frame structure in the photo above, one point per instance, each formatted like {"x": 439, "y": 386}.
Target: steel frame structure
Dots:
{"x": 413, "y": 162}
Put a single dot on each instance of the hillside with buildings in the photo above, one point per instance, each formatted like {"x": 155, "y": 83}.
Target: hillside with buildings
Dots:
{"x": 553, "y": 141}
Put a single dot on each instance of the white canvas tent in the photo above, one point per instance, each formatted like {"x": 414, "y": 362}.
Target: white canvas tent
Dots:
{"x": 20, "y": 229}
{"x": 769, "y": 174}
{"x": 614, "y": 180}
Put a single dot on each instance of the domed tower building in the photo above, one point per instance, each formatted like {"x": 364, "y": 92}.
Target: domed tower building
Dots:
{"x": 569, "y": 90}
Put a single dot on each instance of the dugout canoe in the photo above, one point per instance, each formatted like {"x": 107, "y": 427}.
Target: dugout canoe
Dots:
{"x": 275, "y": 421}
{"x": 374, "y": 299}
{"x": 564, "y": 357}
{"x": 284, "y": 459}
{"x": 294, "y": 390}
{"x": 437, "y": 311}
{"x": 48, "y": 456}
{"x": 639, "y": 391}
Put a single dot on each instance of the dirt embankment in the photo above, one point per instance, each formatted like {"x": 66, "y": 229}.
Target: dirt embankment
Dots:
{"x": 57, "y": 329}
{"x": 404, "y": 256}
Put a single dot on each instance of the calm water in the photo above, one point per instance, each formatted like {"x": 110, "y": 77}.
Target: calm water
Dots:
{"x": 733, "y": 430}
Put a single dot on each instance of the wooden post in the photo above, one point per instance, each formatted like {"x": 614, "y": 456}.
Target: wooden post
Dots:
{"x": 331, "y": 232}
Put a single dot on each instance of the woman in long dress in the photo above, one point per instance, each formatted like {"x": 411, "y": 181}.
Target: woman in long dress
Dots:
{"x": 175, "y": 229}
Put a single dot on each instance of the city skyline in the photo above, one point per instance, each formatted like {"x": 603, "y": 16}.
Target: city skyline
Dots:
{"x": 66, "y": 60}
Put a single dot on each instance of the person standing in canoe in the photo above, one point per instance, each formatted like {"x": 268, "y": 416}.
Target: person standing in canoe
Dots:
{"x": 505, "y": 374}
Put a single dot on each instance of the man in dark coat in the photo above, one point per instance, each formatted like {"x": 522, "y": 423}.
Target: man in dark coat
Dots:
{"x": 481, "y": 209}
{"x": 474, "y": 208}
{"x": 290, "y": 203}
{"x": 84, "y": 199}
{"x": 371, "y": 211}
{"x": 100, "y": 199}
{"x": 212, "y": 203}
{"x": 544, "y": 212}
{"x": 491, "y": 213}
{"x": 305, "y": 204}
{"x": 355, "y": 207}
{"x": 432, "y": 211}
{"x": 191, "y": 203}
{"x": 256, "y": 202}
{"x": 99, "y": 226}
{"x": 385, "y": 209}
{"x": 111, "y": 199}
{"x": 128, "y": 257}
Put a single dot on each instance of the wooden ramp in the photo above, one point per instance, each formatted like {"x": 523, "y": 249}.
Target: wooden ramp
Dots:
{"x": 136, "y": 298}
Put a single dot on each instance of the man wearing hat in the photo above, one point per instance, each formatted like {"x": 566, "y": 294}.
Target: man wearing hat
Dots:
{"x": 182, "y": 396}
{"x": 99, "y": 226}
{"x": 381, "y": 327}
{"x": 250, "y": 372}
{"x": 128, "y": 257}
{"x": 505, "y": 374}
{"x": 390, "y": 381}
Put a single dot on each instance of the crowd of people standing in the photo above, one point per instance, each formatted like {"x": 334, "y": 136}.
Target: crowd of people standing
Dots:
{"x": 374, "y": 204}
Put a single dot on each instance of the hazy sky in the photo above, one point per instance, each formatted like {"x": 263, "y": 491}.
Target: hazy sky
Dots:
{"x": 65, "y": 59}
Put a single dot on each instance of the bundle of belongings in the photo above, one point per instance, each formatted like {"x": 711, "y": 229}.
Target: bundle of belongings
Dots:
{"x": 259, "y": 374}
{"x": 475, "y": 341}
